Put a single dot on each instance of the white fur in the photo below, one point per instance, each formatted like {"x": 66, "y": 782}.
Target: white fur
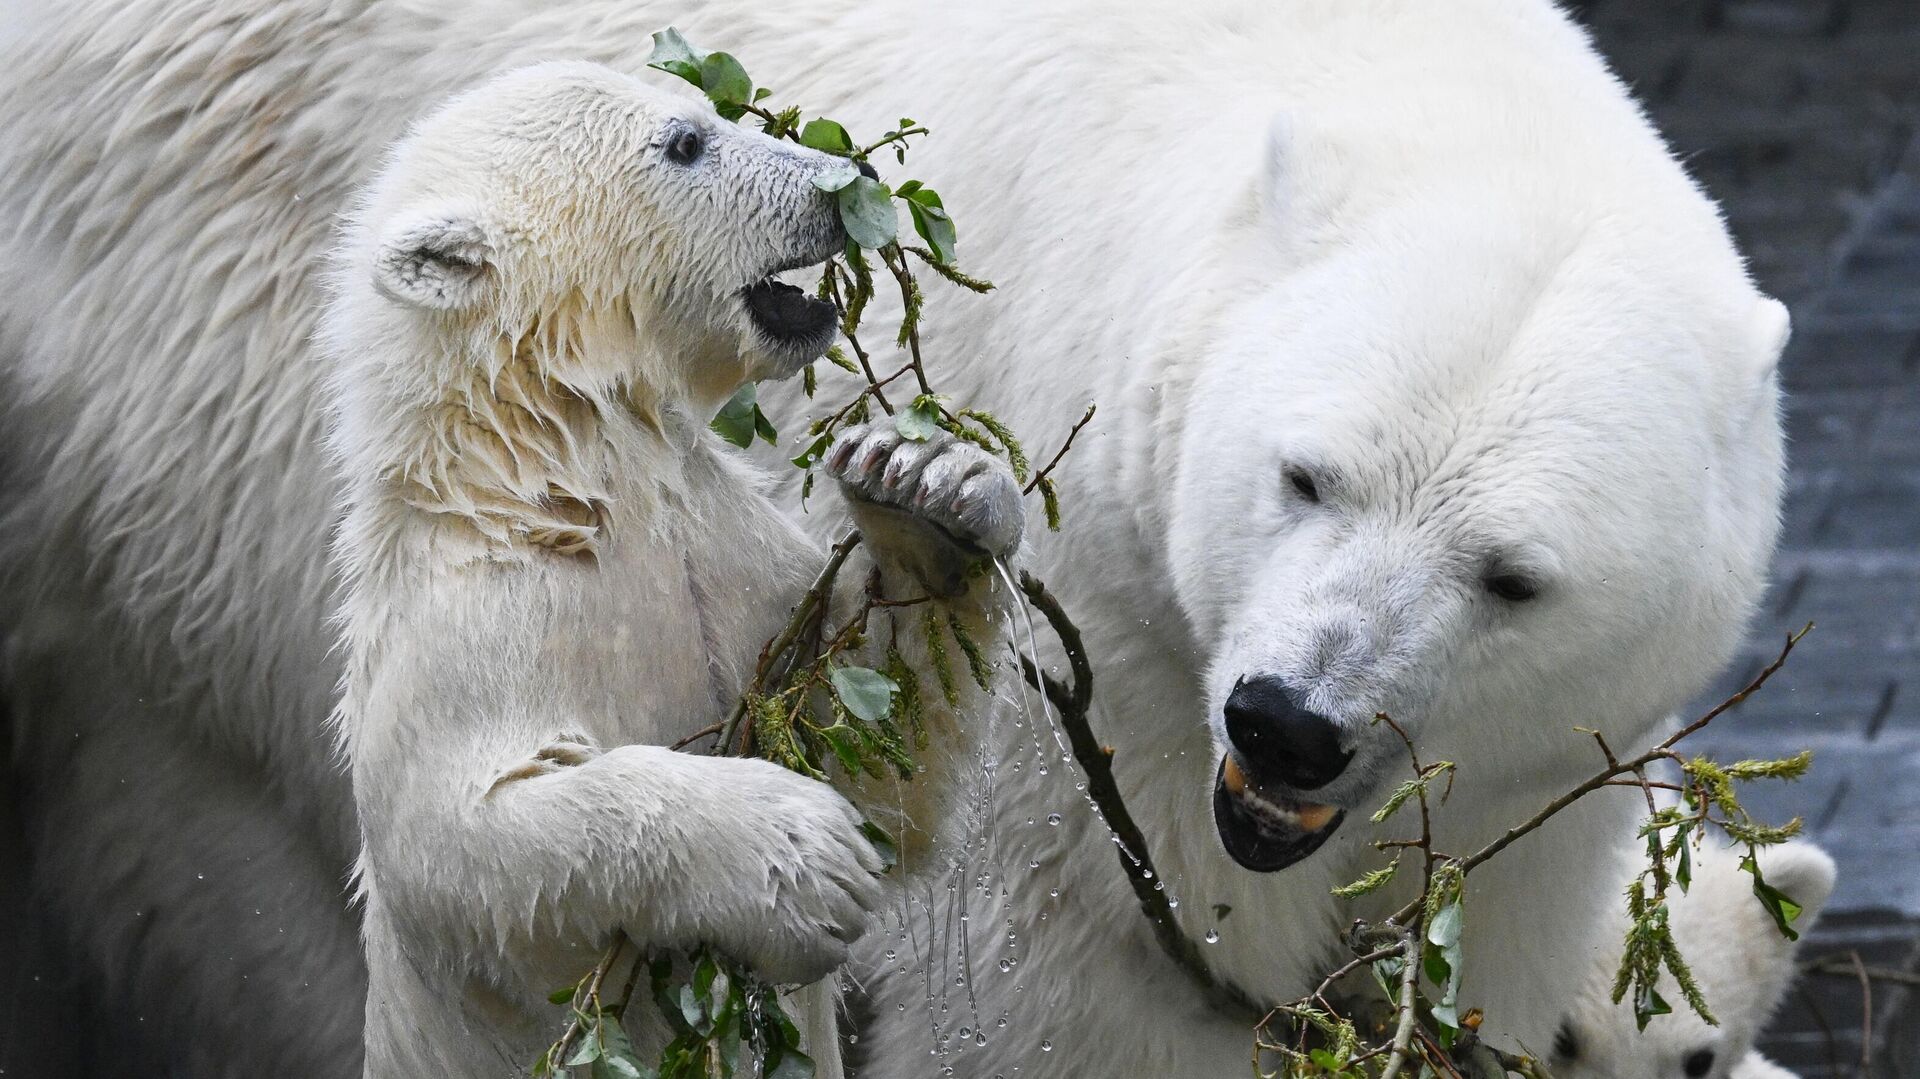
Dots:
{"x": 1435, "y": 249}
{"x": 550, "y": 570}
{"x": 1742, "y": 962}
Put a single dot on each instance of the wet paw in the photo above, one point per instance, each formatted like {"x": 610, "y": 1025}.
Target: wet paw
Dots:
{"x": 961, "y": 489}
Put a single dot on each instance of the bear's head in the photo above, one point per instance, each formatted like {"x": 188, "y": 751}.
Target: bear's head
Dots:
{"x": 608, "y": 231}
{"x": 1495, "y": 465}
{"x": 1740, "y": 958}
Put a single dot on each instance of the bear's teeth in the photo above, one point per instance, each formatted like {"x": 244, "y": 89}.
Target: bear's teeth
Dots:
{"x": 1233, "y": 777}
{"x": 1313, "y": 817}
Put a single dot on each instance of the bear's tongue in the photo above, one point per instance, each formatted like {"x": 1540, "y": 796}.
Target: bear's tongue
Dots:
{"x": 787, "y": 314}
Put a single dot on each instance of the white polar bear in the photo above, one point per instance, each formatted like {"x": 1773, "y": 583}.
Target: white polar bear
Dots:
{"x": 1429, "y": 385}
{"x": 551, "y": 570}
{"x": 1741, "y": 960}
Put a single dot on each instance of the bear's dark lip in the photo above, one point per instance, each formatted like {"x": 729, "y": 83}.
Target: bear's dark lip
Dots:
{"x": 1263, "y": 831}
{"x": 788, "y": 317}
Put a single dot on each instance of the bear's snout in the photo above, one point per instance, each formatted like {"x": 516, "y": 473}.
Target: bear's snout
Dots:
{"x": 1279, "y": 739}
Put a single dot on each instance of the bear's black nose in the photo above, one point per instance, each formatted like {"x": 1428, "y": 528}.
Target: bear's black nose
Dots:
{"x": 866, "y": 169}
{"x": 1276, "y": 738}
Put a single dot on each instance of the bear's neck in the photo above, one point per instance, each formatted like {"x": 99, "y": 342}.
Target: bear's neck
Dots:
{"x": 517, "y": 446}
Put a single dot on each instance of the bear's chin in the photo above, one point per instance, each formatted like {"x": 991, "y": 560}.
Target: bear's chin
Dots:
{"x": 1265, "y": 834}
{"x": 791, "y": 328}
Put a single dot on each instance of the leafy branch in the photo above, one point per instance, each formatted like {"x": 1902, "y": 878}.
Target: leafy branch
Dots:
{"x": 1311, "y": 1037}
{"x": 805, "y": 704}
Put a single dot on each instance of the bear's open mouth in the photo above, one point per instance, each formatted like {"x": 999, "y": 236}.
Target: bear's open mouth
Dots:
{"x": 1264, "y": 831}
{"x": 788, "y": 317}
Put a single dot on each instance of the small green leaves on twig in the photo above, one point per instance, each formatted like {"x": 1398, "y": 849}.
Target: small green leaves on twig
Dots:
{"x": 918, "y": 421}
{"x": 1372, "y": 882}
{"x": 740, "y": 419}
{"x": 1415, "y": 786}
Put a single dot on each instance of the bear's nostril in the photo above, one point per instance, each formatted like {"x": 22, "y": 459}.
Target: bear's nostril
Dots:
{"x": 1278, "y": 738}
{"x": 866, "y": 169}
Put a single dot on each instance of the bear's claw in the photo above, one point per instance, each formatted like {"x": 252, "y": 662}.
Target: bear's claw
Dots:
{"x": 966, "y": 492}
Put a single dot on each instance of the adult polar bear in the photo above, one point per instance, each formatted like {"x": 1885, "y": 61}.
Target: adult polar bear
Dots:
{"x": 1382, "y": 301}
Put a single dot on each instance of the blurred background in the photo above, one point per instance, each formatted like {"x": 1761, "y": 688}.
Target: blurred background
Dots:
{"x": 1803, "y": 118}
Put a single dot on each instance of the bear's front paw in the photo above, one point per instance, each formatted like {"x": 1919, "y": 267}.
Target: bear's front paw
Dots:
{"x": 810, "y": 885}
{"x": 967, "y": 493}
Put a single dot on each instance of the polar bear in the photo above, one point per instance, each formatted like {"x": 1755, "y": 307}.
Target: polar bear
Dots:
{"x": 1740, "y": 958}
{"x": 550, "y": 571}
{"x": 1429, "y": 384}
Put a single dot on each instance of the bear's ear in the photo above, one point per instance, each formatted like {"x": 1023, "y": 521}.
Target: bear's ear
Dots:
{"x": 437, "y": 259}
{"x": 1768, "y": 331}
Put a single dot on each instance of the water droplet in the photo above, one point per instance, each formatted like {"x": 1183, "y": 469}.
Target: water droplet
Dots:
{"x": 1046, "y": 1046}
{"x": 892, "y": 955}
{"x": 1033, "y": 863}
{"x": 1006, "y": 965}
{"x": 1212, "y": 937}
{"x": 1053, "y": 818}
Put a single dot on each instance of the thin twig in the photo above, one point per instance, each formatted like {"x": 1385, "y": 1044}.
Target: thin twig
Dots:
{"x": 1403, "y": 1034}
{"x": 1058, "y": 454}
{"x": 898, "y": 136}
{"x": 592, "y": 991}
{"x": 1616, "y": 769}
{"x": 1836, "y": 967}
{"x": 1866, "y": 1015}
{"x": 777, "y": 647}
{"x": 711, "y": 728}
{"x": 1096, "y": 761}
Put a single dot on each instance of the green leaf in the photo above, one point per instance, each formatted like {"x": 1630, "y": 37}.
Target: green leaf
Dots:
{"x": 845, "y": 746}
{"x": 724, "y": 80}
{"x": 882, "y": 842}
{"x": 793, "y": 1064}
{"x": 1444, "y": 930}
{"x": 907, "y": 190}
{"x": 692, "y": 1008}
{"x": 866, "y": 693}
{"x": 824, "y": 134}
{"x": 735, "y": 421}
{"x": 672, "y": 54}
{"x": 1647, "y": 1004}
{"x": 589, "y": 1048}
{"x": 562, "y": 995}
{"x": 1325, "y": 1060}
{"x": 815, "y": 451}
{"x": 836, "y": 178}
{"x": 866, "y": 209}
{"x": 740, "y": 419}
{"x": 935, "y": 227}
{"x": 1777, "y": 902}
{"x": 1683, "y": 873}
{"x": 705, "y": 970}
{"x": 621, "y": 1067}
{"x": 918, "y": 421}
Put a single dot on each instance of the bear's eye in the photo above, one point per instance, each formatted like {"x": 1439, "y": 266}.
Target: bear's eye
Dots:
{"x": 1302, "y": 483}
{"x": 1512, "y": 587}
{"x": 1566, "y": 1048}
{"x": 1698, "y": 1063}
{"x": 685, "y": 148}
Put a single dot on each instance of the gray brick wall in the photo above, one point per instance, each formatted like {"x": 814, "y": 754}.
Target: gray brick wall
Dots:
{"x": 1801, "y": 117}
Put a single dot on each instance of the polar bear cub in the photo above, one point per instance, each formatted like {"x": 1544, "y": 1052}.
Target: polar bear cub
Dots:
{"x": 1741, "y": 960}
{"x": 552, "y": 570}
